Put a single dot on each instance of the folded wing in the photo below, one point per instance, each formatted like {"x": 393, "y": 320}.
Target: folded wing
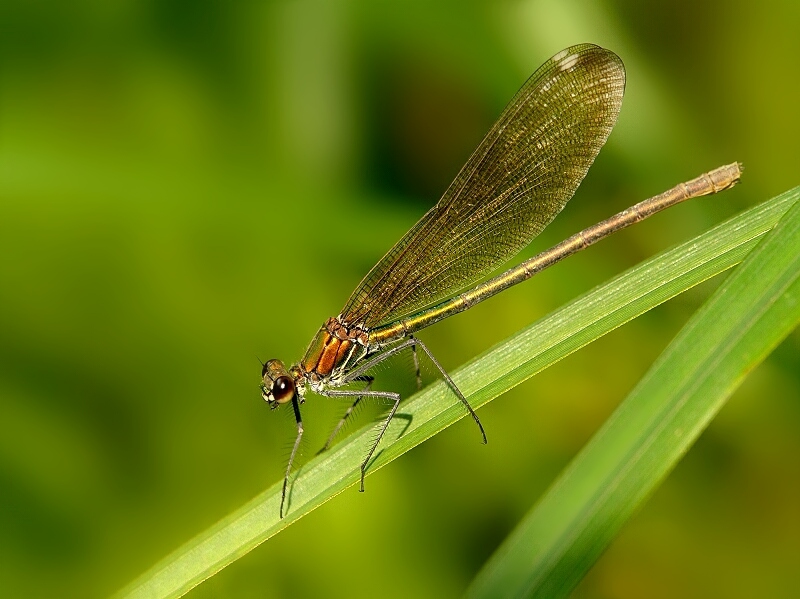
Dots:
{"x": 518, "y": 179}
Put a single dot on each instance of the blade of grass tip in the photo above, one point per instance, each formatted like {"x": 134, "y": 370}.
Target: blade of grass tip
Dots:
{"x": 484, "y": 378}
{"x": 560, "y": 539}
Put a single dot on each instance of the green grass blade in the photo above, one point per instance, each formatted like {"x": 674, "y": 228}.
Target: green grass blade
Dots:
{"x": 482, "y": 379}
{"x": 561, "y": 538}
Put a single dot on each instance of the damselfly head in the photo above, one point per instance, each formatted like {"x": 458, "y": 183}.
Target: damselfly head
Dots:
{"x": 278, "y": 385}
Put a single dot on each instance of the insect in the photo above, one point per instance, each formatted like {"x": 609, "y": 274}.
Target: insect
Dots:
{"x": 518, "y": 179}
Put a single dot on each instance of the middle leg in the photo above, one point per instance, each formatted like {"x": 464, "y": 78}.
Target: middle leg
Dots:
{"x": 368, "y": 380}
{"x": 395, "y": 397}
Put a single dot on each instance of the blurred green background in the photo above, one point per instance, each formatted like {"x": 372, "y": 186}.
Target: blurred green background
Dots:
{"x": 185, "y": 186}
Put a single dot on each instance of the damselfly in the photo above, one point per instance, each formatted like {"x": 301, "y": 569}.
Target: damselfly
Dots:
{"x": 518, "y": 179}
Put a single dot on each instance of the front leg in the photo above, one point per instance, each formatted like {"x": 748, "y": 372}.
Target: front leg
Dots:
{"x": 298, "y": 418}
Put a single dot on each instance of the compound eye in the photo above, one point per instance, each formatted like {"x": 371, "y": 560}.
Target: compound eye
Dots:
{"x": 283, "y": 389}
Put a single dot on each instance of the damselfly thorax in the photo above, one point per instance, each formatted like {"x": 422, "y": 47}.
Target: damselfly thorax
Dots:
{"x": 335, "y": 351}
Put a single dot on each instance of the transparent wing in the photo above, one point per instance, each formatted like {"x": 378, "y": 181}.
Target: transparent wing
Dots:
{"x": 518, "y": 179}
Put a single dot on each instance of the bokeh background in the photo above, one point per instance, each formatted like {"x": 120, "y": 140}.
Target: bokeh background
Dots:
{"x": 187, "y": 186}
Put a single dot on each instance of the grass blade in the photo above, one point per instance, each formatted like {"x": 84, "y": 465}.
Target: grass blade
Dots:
{"x": 561, "y": 538}
{"x": 482, "y": 379}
